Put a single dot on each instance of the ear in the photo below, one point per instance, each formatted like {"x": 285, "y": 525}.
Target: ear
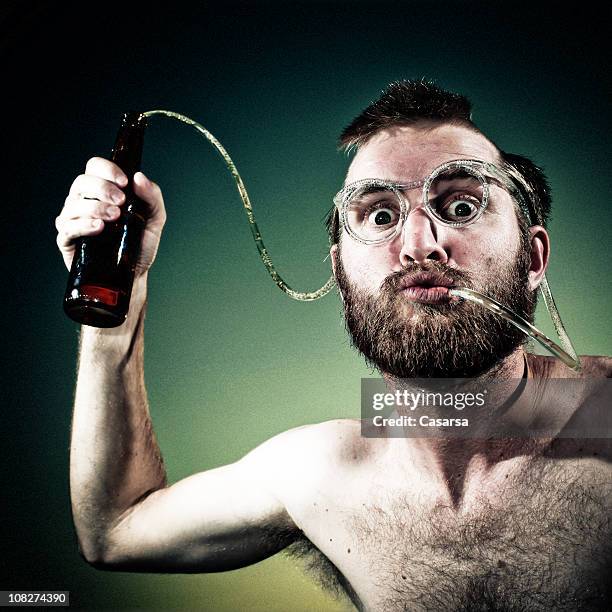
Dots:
{"x": 540, "y": 252}
{"x": 333, "y": 252}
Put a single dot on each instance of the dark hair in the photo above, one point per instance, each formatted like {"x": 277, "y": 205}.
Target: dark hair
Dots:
{"x": 539, "y": 199}
{"x": 408, "y": 102}
{"x": 405, "y": 103}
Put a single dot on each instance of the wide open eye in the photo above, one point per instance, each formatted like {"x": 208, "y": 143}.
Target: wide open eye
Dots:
{"x": 459, "y": 208}
{"x": 382, "y": 217}
{"x": 456, "y": 195}
{"x": 372, "y": 211}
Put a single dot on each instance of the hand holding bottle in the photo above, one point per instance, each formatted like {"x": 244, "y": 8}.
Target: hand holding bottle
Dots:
{"x": 96, "y": 198}
{"x": 109, "y": 230}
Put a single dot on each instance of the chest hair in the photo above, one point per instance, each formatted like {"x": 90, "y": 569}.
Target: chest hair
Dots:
{"x": 544, "y": 544}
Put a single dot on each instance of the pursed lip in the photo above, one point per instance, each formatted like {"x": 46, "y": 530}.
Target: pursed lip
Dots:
{"x": 425, "y": 279}
{"x": 426, "y": 287}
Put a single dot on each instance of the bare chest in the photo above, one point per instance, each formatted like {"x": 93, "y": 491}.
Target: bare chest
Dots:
{"x": 544, "y": 544}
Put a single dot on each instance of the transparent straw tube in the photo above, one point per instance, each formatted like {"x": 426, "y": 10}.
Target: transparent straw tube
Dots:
{"x": 567, "y": 356}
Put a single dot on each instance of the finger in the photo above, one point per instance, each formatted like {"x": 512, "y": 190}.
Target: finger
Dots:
{"x": 151, "y": 194}
{"x": 71, "y": 229}
{"x": 106, "y": 169}
{"x": 77, "y": 208}
{"x": 94, "y": 187}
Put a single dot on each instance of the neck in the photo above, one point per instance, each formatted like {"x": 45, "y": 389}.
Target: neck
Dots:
{"x": 512, "y": 367}
{"x": 451, "y": 458}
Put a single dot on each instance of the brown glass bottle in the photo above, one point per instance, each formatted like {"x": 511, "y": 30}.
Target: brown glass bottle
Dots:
{"x": 102, "y": 273}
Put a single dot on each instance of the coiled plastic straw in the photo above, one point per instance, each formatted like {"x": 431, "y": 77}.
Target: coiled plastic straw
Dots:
{"x": 568, "y": 356}
{"x": 303, "y": 296}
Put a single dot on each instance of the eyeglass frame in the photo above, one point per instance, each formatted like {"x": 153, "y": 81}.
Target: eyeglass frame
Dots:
{"x": 508, "y": 176}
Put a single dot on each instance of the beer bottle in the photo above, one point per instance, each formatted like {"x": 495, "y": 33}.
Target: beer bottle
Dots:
{"x": 102, "y": 272}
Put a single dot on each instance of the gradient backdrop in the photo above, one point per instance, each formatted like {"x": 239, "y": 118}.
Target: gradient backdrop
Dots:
{"x": 231, "y": 360}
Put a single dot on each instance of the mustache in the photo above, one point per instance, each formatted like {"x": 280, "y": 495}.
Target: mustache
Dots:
{"x": 395, "y": 280}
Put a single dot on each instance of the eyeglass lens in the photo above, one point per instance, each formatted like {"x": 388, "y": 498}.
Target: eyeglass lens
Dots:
{"x": 455, "y": 196}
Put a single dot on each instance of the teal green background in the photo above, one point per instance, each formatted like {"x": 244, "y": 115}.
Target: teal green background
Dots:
{"x": 230, "y": 360}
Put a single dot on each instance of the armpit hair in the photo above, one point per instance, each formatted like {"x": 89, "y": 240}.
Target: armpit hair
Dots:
{"x": 320, "y": 568}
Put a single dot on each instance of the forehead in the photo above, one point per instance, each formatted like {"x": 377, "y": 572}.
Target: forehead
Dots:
{"x": 405, "y": 153}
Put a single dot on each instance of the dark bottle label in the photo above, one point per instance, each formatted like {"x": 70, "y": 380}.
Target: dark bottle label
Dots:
{"x": 100, "y": 294}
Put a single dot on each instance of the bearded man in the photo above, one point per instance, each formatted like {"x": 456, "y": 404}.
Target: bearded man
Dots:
{"x": 395, "y": 522}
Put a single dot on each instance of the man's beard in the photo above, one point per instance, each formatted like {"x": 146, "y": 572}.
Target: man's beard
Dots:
{"x": 449, "y": 340}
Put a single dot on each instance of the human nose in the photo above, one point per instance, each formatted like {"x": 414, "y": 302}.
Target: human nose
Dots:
{"x": 419, "y": 238}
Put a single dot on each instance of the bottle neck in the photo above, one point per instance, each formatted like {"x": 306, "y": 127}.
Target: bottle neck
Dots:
{"x": 127, "y": 152}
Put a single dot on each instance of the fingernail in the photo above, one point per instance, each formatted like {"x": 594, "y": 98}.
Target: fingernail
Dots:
{"x": 117, "y": 197}
{"x": 96, "y": 222}
{"x": 121, "y": 180}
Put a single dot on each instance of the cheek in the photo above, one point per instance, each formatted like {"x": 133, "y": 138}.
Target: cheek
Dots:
{"x": 488, "y": 238}
{"x": 472, "y": 250}
{"x": 365, "y": 266}
{"x": 482, "y": 251}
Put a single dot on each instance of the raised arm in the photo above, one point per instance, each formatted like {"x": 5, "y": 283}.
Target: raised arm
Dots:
{"x": 125, "y": 515}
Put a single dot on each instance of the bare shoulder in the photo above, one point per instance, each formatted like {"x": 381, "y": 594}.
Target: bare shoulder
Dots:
{"x": 593, "y": 366}
{"x": 320, "y": 443}
{"x": 306, "y": 463}
{"x": 586, "y": 440}
{"x": 596, "y": 366}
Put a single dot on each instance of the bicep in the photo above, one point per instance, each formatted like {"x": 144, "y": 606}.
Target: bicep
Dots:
{"x": 216, "y": 520}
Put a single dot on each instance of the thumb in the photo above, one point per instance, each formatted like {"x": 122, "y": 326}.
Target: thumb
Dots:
{"x": 150, "y": 193}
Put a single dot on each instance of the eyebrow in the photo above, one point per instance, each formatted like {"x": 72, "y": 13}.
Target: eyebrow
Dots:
{"x": 372, "y": 189}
